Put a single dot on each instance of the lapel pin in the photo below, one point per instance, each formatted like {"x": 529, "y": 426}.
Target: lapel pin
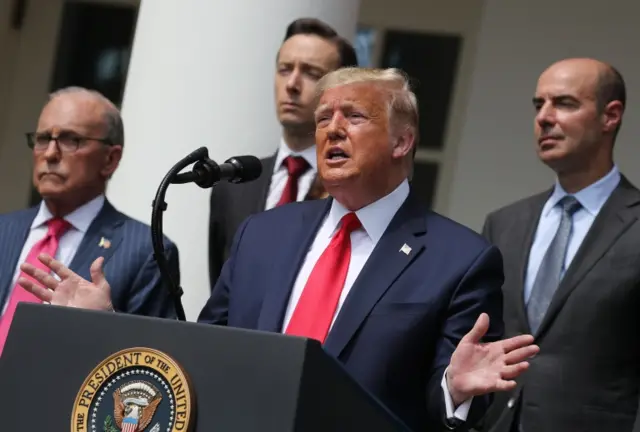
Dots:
{"x": 406, "y": 249}
{"x": 104, "y": 243}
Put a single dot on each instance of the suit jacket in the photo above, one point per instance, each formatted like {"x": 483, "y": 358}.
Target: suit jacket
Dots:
{"x": 404, "y": 315}
{"x": 129, "y": 266}
{"x": 587, "y": 374}
{"x": 230, "y": 205}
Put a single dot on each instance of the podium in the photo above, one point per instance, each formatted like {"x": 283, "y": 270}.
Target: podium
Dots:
{"x": 60, "y": 370}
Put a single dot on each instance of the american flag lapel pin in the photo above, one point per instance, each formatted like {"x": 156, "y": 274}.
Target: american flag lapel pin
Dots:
{"x": 104, "y": 243}
{"x": 406, "y": 249}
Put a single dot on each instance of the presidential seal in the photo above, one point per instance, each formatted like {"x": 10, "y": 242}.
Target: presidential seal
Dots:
{"x": 135, "y": 390}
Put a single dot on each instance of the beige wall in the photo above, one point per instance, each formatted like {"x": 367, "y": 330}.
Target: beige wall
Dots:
{"x": 496, "y": 162}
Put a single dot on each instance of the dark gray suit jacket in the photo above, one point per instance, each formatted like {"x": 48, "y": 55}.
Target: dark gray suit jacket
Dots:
{"x": 230, "y": 205}
{"x": 586, "y": 377}
{"x": 129, "y": 266}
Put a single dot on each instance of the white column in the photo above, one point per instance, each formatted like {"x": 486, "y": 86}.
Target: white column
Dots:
{"x": 201, "y": 74}
{"x": 496, "y": 161}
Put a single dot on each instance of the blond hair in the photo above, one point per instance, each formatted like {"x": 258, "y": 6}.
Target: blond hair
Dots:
{"x": 403, "y": 103}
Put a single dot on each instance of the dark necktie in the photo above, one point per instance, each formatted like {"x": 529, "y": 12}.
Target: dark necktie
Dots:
{"x": 296, "y": 166}
{"x": 552, "y": 265}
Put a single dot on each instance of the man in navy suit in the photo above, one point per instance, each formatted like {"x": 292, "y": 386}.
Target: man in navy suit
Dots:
{"x": 391, "y": 289}
{"x": 76, "y": 148}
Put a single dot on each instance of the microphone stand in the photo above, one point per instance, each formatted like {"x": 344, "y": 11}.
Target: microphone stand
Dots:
{"x": 201, "y": 156}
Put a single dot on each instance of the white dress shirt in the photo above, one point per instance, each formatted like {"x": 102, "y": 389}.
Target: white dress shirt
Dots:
{"x": 592, "y": 199}
{"x": 281, "y": 175}
{"x": 375, "y": 219}
{"x": 80, "y": 219}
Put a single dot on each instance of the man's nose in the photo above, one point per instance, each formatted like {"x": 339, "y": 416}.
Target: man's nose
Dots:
{"x": 545, "y": 116}
{"x": 293, "y": 83}
{"x": 336, "y": 129}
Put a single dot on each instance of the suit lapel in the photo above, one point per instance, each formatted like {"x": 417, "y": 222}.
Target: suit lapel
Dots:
{"x": 295, "y": 251}
{"x": 262, "y": 189}
{"x": 384, "y": 266}
{"x": 528, "y": 223}
{"x": 612, "y": 221}
{"x": 101, "y": 239}
{"x": 13, "y": 234}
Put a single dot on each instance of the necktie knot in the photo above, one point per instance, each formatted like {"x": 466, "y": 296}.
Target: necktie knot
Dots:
{"x": 570, "y": 205}
{"x": 57, "y": 227}
{"x": 295, "y": 165}
{"x": 350, "y": 223}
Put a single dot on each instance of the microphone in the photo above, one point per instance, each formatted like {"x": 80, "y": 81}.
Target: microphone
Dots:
{"x": 206, "y": 172}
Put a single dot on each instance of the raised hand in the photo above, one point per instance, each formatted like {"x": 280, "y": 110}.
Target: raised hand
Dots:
{"x": 480, "y": 368}
{"x": 71, "y": 290}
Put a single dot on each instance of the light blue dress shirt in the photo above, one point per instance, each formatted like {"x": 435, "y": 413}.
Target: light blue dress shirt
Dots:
{"x": 592, "y": 199}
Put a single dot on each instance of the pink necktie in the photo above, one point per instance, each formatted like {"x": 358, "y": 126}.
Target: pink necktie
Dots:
{"x": 48, "y": 245}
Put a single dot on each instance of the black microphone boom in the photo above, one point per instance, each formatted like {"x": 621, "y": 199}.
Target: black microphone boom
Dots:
{"x": 205, "y": 173}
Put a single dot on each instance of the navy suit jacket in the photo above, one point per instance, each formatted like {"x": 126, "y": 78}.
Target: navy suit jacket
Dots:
{"x": 404, "y": 315}
{"x": 129, "y": 266}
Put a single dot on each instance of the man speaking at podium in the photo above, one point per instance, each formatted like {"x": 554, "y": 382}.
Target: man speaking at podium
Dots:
{"x": 409, "y": 301}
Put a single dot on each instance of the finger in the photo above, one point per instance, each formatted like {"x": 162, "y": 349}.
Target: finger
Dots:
{"x": 514, "y": 371}
{"x": 478, "y": 331}
{"x": 97, "y": 275}
{"x": 39, "y": 275}
{"x": 516, "y": 342}
{"x": 56, "y": 266}
{"x": 521, "y": 354}
{"x": 42, "y": 293}
{"x": 505, "y": 385}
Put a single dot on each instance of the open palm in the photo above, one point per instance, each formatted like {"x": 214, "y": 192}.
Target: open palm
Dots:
{"x": 71, "y": 290}
{"x": 479, "y": 368}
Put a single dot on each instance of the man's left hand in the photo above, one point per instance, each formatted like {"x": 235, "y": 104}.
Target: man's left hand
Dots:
{"x": 480, "y": 368}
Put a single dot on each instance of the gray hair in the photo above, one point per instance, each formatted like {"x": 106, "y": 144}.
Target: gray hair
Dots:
{"x": 403, "y": 103}
{"x": 112, "y": 119}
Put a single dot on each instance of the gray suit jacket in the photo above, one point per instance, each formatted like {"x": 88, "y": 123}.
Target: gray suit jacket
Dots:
{"x": 587, "y": 374}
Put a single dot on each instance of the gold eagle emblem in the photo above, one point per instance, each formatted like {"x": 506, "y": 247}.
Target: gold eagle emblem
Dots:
{"x": 136, "y": 401}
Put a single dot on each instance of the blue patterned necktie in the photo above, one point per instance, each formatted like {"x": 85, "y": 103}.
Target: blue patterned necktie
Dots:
{"x": 552, "y": 266}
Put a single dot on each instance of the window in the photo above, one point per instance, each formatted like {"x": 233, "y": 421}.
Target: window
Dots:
{"x": 431, "y": 61}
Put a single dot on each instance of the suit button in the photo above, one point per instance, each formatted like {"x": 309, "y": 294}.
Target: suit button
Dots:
{"x": 511, "y": 402}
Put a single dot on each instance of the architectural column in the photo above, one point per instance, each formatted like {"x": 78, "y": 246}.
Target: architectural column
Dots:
{"x": 201, "y": 74}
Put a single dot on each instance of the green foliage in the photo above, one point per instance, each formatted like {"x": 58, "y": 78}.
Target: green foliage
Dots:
{"x": 109, "y": 426}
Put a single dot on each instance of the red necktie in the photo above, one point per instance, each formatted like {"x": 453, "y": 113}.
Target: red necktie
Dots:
{"x": 317, "y": 305}
{"x": 296, "y": 166}
{"x": 48, "y": 245}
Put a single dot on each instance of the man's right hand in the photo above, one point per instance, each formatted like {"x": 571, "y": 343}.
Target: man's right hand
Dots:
{"x": 71, "y": 290}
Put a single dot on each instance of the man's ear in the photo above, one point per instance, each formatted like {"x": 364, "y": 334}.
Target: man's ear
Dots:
{"x": 612, "y": 115}
{"x": 404, "y": 143}
{"x": 112, "y": 160}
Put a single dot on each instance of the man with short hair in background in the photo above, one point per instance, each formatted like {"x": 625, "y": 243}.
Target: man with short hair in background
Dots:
{"x": 77, "y": 147}
{"x": 310, "y": 49}
{"x": 572, "y": 263}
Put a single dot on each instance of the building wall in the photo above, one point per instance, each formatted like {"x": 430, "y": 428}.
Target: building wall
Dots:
{"x": 496, "y": 162}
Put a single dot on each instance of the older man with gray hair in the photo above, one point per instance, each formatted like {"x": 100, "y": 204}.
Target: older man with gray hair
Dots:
{"x": 76, "y": 147}
{"x": 408, "y": 300}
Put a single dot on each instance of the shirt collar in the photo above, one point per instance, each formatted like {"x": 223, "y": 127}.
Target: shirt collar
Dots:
{"x": 375, "y": 217}
{"x": 80, "y": 218}
{"x": 309, "y": 154}
{"x": 592, "y": 198}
